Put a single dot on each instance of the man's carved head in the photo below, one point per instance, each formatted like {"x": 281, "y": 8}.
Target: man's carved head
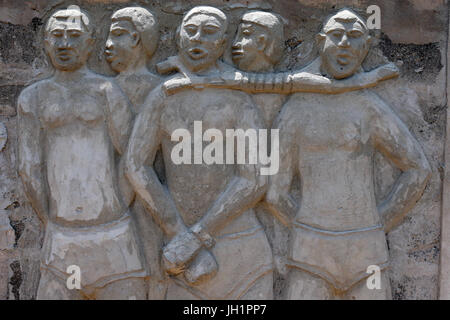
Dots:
{"x": 68, "y": 39}
{"x": 133, "y": 30}
{"x": 202, "y": 37}
{"x": 343, "y": 44}
{"x": 259, "y": 41}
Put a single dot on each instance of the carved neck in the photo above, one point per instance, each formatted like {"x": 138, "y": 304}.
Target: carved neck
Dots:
{"x": 324, "y": 71}
{"x": 71, "y": 76}
{"x": 206, "y": 71}
{"x": 260, "y": 65}
{"x": 138, "y": 64}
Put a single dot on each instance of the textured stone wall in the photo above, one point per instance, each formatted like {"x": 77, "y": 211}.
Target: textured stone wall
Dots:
{"x": 413, "y": 34}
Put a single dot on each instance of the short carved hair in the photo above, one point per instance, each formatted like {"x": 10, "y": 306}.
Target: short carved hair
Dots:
{"x": 210, "y": 11}
{"x": 345, "y": 15}
{"x": 73, "y": 13}
{"x": 145, "y": 24}
{"x": 275, "y": 29}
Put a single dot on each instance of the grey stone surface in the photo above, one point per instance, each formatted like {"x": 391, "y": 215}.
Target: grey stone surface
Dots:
{"x": 417, "y": 97}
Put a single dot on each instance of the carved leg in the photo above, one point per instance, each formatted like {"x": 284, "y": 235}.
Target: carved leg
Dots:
{"x": 361, "y": 292}
{"x": 178, "y": 292}
{"x": 126, "y": 289}
{"x": 305, "y": 286}
{"x": 261, "y": 289}
{"x": 53, "y": 288}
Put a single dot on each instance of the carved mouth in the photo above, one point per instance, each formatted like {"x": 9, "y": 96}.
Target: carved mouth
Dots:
{"x": 64, "y": 56}
{"x": 237, "y": 54}
{"x": 110, "y": 55}
{"x": 197, "y": 53}
{"x": 344, "y": 58}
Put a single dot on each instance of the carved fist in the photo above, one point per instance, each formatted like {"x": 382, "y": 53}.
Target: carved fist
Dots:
{"x": 180, "y": 251}
{"x": 387, "y": 71}
{"x": 202, "y": 268}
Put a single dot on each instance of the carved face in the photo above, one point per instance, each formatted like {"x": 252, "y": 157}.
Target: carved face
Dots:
{"x": 68, "y": 44}
{"x": 345, "y": 44}
{"x": 249, "y": 45}
{"x": 122, "y": 41}
{"x": 201, "y": 41}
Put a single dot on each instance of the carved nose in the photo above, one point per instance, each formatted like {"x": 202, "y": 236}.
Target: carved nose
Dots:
{"x": 344, "y": 41}
{"x": 109, "y": 45}
{"x": 64, "y": 43}
{"x": 196, "y": 37}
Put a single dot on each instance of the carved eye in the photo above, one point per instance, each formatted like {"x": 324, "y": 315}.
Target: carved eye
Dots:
{"x": 210, "y": 30}
{"x": 74, "y": 34}
{"x": 246, "y": 32}
{"x": 191, "y": 30}
{"x": 118, "y": 33}
{"x": 355, "y": 34}
{"x": 57, "y": 34}
{"x": 337, "y": 34}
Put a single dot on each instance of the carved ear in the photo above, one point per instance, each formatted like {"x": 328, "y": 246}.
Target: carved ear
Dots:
{"x": 319, "y": 38}
{"x": 225, "y": 40}
{"x": 46, "y": 43}
{"x": 136, "y": 39}
{"x": 369, "y": 41}
{"x": 262, "y": 42}
{"x": 177, "y": 36}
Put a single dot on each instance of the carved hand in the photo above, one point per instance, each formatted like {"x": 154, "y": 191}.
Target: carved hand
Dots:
{"x": 385, "y": 72}
{"x": 180, "y": 251}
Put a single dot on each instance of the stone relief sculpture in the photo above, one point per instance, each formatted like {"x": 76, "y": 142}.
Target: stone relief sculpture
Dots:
{"x": 330, "y": 141}
{"x": 75, "y": 128}
{"x": 3, "y": 136}
{"x": 6, "y": 231}
{"x": 132, "y": 41}
{"x": 258, "y": 47}
{"x": 206, "y": 210}
{"x": 71, "y": 125}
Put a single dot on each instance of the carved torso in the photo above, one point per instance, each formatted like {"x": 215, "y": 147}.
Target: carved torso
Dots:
{"x": 137, "y": 87}
{"x": 80, "y": 165}
{"x": 335, "y": 160}
{"x": 190, "y": 185}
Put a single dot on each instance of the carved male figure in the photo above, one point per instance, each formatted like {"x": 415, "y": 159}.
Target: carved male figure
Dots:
{"x": 206, "y": 210}
{"x": 132, "y": 41}
{"x": 258, "y": 47}
{"x": 71, "y": 125}
{"x": 338, "y": 230}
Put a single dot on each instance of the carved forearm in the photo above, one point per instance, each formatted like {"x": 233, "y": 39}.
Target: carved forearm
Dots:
{"x": 156, "y": 200}
{"x": 404, "y": 195}
{"x": 240, "y": 195}
{"x": 296, "y": 81}
{"x": 34, "y": 189}
{"x": 282, "y": 206}
{"x": 282, "y": 82}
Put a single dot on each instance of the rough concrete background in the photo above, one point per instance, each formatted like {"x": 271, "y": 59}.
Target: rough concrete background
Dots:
{"x": 413, "y": 33}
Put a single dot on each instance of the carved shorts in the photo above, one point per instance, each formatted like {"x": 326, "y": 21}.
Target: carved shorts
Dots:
{"x": 243, "y": 258}
{"x": 103, "y": 253}
{"x": 340, "y": 258}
